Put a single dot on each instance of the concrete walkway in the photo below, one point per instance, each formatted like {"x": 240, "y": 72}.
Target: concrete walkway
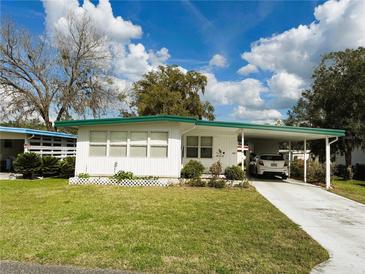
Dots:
{"x": 10, "y": 267}
{"x": 335, "y": 222}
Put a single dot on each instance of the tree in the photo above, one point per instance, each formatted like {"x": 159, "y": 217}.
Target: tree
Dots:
{"x": 168, "y": 90}
{"x": 25, "y": 123}
{"x": 336, "y": 100}
{"x": 59, "y": 76}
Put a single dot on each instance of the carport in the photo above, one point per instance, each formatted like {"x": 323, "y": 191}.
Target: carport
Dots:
{"x": 18, "y": 140}
{"x": 267, "y": 138}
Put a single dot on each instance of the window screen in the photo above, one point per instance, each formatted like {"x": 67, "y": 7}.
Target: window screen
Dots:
{"x": 118, "y": 137}
{"x": 158, "y": 151}
{"x": 159, "y": 144}
{"x": 118, "y": 151}
{"x": 98, "y": 141}
{"x": 98, "y": 136}
{"x": 138, "y": 146}
{"x": 97, "y": 150}
{"x": 192, "y": 146}
{"x": 118, "y": 144}
{"x": 206, "y": 147}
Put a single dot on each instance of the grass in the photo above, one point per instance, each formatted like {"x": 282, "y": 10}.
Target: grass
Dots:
{"x": 352, "y": 189}
{"x": 163, "y": 230}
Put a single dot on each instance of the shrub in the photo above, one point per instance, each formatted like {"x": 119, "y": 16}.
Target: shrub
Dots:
{"x": 196, "y": 182}
{"x": 316, "y": 172}
{"x": 146, "y": 177}
{"x": 123, "y": 175}
{"x": 50, "y": 166}
{"x": 234, "y": 173}
{"x": 359, "y": 172}
{"x": 340, "y": 171}
{"x": 84, "y": 175}
{"x": 297, "y": 169}
{"x": 216, "y": 169}
{"x": 193, "y": 169}
{"x": 28, "y": 164}
{"x": 217, "y": 183}
{"x": 244, "y": 184}
{"x": 67, "y": 167}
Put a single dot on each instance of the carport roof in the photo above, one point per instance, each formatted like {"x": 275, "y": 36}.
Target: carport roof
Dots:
{"x": 36, "y": 132}
{"x": 190, "y": 120}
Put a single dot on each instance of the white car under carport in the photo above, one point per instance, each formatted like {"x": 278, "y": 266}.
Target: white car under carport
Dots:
{"x": 269, "y": 164}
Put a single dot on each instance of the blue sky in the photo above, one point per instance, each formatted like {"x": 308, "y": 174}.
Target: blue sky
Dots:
{"x": 193, "y": 32}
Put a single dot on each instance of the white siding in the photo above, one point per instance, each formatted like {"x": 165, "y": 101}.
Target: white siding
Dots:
{"x": 358, "y": 157}
{"x": 106, "y": 166}
{"x": 225, "y": 142}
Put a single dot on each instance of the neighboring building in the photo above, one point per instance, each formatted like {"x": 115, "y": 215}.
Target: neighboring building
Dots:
{"x": 296, "y": 154}
{"x": 17, "y": 140}
{"x": 358, "y": 157}
{"x": 161, "y": 145}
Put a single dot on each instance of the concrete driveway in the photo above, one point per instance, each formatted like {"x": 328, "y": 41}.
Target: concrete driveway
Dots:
{"x": 335, "y": 222}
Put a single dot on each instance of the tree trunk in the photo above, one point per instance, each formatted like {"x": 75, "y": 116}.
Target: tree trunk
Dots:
{"x": 348, "y": 159}
{"x": 49, "y": 125}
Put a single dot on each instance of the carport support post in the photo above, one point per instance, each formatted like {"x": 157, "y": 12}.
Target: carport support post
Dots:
{"x": 289, "y": 165}
{"x": 242, "y": 148}
{"x": 328, "y": 164}
{"x": 305, "y": 160}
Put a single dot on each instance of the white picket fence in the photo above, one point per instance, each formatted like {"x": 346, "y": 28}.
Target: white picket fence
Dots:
{"x": 125, "y": 182}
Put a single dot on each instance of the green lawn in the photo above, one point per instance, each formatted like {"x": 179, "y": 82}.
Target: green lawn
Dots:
{"x": 354, "y": 190}
{"x": 174, "y": 229}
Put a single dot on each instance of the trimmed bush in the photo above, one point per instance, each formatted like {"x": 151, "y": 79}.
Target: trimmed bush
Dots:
{"x": 216, "y": 169}
{"x": 84, "y": 175}
{"x": 234, "y": 173}
{"x": 196, "y": 182}
{"x": 193, "y": 169}
{"x": 50, "y": 166}
{"x": 217, "y": 183}
{"x": 297, "y": 169}
{"x": 316, "y": 172}
{"x": 123, "y": 175}
{"x": 67, "y": 167}
{"x": 28, "y": 164}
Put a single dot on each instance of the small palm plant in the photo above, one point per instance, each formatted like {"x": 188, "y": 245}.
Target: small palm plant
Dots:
{"x": 28, "y": 164}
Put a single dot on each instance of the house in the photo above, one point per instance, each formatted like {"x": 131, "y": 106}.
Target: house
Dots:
{"x": 17, "y": 140}
{"x": 357, "y": 157}
{"x": 160, "y": 145}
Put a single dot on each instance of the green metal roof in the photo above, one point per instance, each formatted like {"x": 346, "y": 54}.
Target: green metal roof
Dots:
{"x": 181, "y": 119}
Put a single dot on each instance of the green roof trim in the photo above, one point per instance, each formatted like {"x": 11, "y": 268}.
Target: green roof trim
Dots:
{"x": 182, "y": 119}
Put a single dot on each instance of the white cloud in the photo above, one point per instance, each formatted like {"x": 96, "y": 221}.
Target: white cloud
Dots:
{"x": 248, "y": 69}
{"x": 256, "y": 116}
{"x": 292, "y": 55}
{"x": 246, "y": 92}
{"x": 116, "y": 28}
{"x": 218, "y": 60}
{"x": 128, "y": 60}
{"x": 285, "y": 88}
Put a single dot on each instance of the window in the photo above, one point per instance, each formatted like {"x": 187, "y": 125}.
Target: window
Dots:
{"x": 158, "y": 144}
{"x": 98, "y": 143}
{"x": 204, "y": 144}
{"x": 8, "y": 144}
{"x": 118, "y": 144}
{"x": 138, "y": 147}
{"x": 206, "y": 147}
{"x": 192, "y": 146}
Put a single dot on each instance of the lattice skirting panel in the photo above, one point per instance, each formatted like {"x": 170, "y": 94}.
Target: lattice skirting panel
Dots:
{"x": 126, "y": 182}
